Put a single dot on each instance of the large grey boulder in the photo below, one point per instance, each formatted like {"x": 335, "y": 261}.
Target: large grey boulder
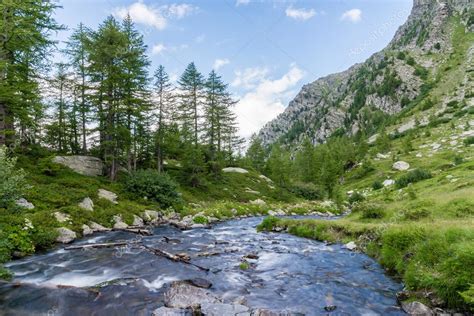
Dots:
{"x": 24, "y": 204}
{"x": 184, "y": 295}
{"x": 87, "y": 204}
{"x": 151, "y": 216}
{"x": 137, "y": 221}
{"x": 85, "y": 165}
{"x": 65, "y": 235}
{"x": 86, "y": 230}
{"x": 401, "y": 166}
{"x": 166, "y": 311}
{"x": 119, "y": 223}
{"x": 234, "y": 170}
{"x": 110, "y": 196}
{"x": 97, "y": 227}
{"x": 417, "y": 309}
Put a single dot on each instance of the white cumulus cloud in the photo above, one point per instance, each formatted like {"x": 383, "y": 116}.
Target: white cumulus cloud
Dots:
{"x": 249, "y": 77}
{"x": 353, "y": 15}
{"x": 242, "y": 2}
{"x": 268, "y": 99}
{"x": 152, "y": 16}
{"x": 158, "y": 49}
{"x": 300, "y": 14}
{"x": 219, "y": 63}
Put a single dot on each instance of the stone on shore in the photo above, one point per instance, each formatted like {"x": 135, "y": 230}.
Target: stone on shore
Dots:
{"x": 110, "y": 196}
{"x": 65, "y": 235}
{"x": 87, "y": 204}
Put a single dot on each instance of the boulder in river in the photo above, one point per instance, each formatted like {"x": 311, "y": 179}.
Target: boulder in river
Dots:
{"x": 65, "y": 235}
{"x": 110, "y": 196}
{"x": 137, "y": 221}
{"x": 220, "y": 309}
{"x": 166, "y": 311}
{"x": 85, "y": 165}
{"x": 87, "y": 204}
{"x": 86, "y": 230}
{"x": 350, "y": 246}
{"x": 119, "y": 223}
{"x": 417, "y": 309}
{"x": 184, "y": 295}
{"x": 151, "y": 217}
{"x": 200, "y": 282}
{"x": 97, "y": 227}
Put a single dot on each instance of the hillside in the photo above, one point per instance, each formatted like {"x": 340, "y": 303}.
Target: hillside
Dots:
{"x": 434, "y": 46}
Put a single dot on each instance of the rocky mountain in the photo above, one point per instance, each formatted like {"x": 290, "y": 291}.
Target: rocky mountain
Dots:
{"x": 433, "y": 43}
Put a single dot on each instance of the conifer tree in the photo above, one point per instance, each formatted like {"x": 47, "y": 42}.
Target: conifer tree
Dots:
{"x": 256, "y": 153}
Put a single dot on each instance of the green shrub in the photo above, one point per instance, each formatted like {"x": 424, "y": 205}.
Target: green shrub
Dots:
{"x": 356, "y": 197}
{"x": 152, "y": 185}
{"x": 268, "y": 223}
{"x": 12, "y": 181}
{"x": 369, "y": 210}
{"x": 307, "y": 191}
{"x": 411, "y": 61}
{"x": 469, "y": 141}
{"x": 377, "y": 185}
{"x": 5, "y": 274}
{"x": 48, "y": 167}
{"x": 459, "y": 208}
{"x": 412, "y": 177}
{"x": 401, "y": 55}
{"x": 200, "y": 219}
{"x": 415, "y": 214}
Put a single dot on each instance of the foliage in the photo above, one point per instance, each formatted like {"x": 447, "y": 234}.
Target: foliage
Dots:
{"x": 412, "y": 177}
{"x": 369, "y": 210}
{"x": 308, "y": 191}
{"x": 469, "y": 141}
{"x": 12, "y": 181}
{"x": 356, "y": 197}
{"x": 152, "y": 185}
{"x": 377, "y": 185}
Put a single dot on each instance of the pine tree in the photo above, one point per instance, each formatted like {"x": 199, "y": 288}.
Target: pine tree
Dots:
{"x": 278, "y": 165}
{"x": 256, "y": 153}
{"x": 191, "y": 85}
{"x": 78, "y": 56}
{"x": 164, "y": 107}
{"x": 25, "y": 26}
{"x": 305, "y": 162}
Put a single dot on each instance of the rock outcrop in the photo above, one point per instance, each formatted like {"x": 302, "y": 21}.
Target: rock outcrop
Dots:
{"x": 85, "y": 165}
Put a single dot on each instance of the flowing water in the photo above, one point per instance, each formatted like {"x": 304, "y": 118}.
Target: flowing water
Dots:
{"x": 291, "y": 273}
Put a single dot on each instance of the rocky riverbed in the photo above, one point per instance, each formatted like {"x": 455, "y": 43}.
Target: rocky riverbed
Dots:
{"x": 249, "y": 273}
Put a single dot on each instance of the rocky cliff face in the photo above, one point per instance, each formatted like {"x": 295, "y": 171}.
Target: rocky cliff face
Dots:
{"x": 361, "y": 97}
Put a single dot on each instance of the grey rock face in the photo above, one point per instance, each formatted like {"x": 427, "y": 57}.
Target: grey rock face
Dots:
{"x": 87, "y": 204}
{"x": 166, "y": 311}
{"x": 65, "y": 235}
{"x": 219, "y": 309}
{"x": 85, "y": 165}
{"x": 416, "y": 309}
{"x": 104, "y": 194}
{"x": 24, "y": 204}
{"x": 184, "y": 295}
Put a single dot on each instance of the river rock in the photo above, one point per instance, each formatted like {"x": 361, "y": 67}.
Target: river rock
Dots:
{"x": 166, "y": 311}
{"x": 23, "y": 203}
{"x": 265, "y": 178}
{"x": 97, "y": 227}
{"x": 416, "y": 309}
{"x": 86, "y": 230}
{"x": 268, "y": 312}
{"x": 388, "y": 182}
{"x": 150, "y": 216}
{"x": 85, "y": 165}
{"x": 220, "y": 309}
{"x": 184, "y": 295}
{"x": 258, "y": 202}
{"x": 199, "y": 282}
{"x": 87, "y": 204}
{"x": 350, "y": 246}
{"x": 118, "y": 222}
{"x": 65, "y": 235}
{"x": 61, "y": 217}
{"x": 234, "y": 170}
{"x": 401, "y": 166}
{"x": 110, "y": 196}
{"x": 137, "y": 221}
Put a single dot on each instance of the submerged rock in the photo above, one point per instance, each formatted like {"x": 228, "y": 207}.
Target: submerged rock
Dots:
{"x": 417, "y": 309}
{"x": 200, "y": 282}
{"x": 110, "y": 196}
{"x": 166, "y": 311}
{"x": 87, "y": 204}
{"x": 220, "y": 309}
{"x": 65, "y": 235}
{"x": 184, "y": 295}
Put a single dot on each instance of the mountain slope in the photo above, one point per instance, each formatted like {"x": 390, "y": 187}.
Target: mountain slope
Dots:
{"x": 396, "y": 79}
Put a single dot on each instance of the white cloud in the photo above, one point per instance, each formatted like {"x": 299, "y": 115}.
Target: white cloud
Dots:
{"x": 249, "y": 77}
{"x": 158, "y": 49}
{"x": 242, "y": 2}
{"x": 300, "y": 14}
{"x": 218, "y": 63}
{"x": 353, "y": 15}
{"x": 268, "y": 99}
{"x": 199, "y": 39}
{"x": 156, "y": 17}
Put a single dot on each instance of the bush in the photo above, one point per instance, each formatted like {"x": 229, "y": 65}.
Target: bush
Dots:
{"x": 48, "y": 167}
{"x": 356, "y": 197}
{"x": 377, "y": 185}
{"x": 152, "y": 185}
{"x": 412, "y": 177}
{"x": 415, "y": 214}
{"x": 12, "y": 181}
{"x": 469, "y": 141}
{"x": 200, "y": 219}
{"x": 307, "y": 191}
{"x": 369, "y": 210}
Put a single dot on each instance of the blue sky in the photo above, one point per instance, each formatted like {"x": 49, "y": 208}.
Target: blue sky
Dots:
{"x": 265, "y": 49}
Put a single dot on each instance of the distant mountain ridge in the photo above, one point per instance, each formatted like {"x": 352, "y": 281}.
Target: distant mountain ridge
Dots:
{"x": 364, "y": 95}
